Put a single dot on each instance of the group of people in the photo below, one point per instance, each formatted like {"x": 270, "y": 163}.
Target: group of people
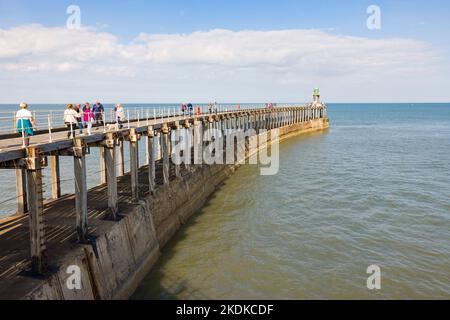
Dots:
{"x": 188, "y": 109}
{"x": 83, "y": 117}
{"x": 75, "y": 117}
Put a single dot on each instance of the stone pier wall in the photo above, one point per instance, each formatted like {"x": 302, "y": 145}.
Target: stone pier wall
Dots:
{"x": 113, "y": 267}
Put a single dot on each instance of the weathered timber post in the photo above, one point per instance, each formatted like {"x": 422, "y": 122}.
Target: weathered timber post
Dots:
{"x": 197, "y": 138}
{"x": 110, "y": 160}
{"x": 56, "y": 180}
{"x": 187, "y": 145}
{"x": 81, "y": 201}
{"x": 158, "y": 147}
{"x": 120, "y": 159}
{"x": 166, "y": 155}
{"x": 134, "y": 164}
{"x": 21, "y": 191}
{"x": 177, "y": 137}
{"x": 228, "y": 123}
{"x": 36, "y": 211}
{"x": 102, "y": 166}
{"x": 151, "y": 159}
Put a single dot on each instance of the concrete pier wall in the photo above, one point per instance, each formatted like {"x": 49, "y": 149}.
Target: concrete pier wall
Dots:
{"x": 115, "y": 264}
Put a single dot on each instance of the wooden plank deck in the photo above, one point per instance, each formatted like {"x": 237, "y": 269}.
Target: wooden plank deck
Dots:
{"x": 60, "y": 232}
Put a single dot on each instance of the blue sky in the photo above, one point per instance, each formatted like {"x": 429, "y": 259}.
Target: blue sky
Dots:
{"x": 426, "y": 22}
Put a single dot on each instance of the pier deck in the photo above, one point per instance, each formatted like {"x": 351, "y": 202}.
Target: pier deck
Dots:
{"x": 34, "y": 242}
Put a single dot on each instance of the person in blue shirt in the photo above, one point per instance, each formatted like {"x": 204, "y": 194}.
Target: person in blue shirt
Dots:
{"x": 98, "y": 110}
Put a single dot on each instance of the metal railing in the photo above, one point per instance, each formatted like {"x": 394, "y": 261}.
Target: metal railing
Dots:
{"x": 53, "y": 119}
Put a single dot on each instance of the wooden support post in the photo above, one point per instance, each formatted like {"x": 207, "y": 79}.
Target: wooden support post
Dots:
{"x": 21, "y": 191}
{"x": 110, "y": 160}
{"x": 177, "y": 137}
{"x": 134, "y": 165}
{"x": 81, "y": 201}
{"x": 36, "y": 212}
{"x": 159, "y": 149}
{"x": 56, "y": 180}
{"x": 151, "y": 159}
{"x": 166, "y": 155}
{"x": 187, "y": 146}
{"x": 120, "y": 159}
{"x": 102, "y": 166}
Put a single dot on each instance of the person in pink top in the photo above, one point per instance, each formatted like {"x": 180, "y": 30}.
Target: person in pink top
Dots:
{"x": 88, "y": 117}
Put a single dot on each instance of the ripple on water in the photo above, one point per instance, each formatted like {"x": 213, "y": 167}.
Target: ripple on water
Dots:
{"x": 372, "y": 190}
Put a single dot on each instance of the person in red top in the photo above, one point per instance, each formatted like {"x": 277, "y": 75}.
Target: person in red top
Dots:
{"x": 198, "y": 110}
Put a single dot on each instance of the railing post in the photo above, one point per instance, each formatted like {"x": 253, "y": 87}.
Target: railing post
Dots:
{"x": 49, "y": 129}
{"x": 56, "y": 181}
{"x": 36, "y": 211}
{"x": 134, "y": 164}
{"x": 110, "y": 156}
{"x": 81, "y": 201}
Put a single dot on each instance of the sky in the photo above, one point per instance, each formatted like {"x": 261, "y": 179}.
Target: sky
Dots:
{"x": 228, "y": 51}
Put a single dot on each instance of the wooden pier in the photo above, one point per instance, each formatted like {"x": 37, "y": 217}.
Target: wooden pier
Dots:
{"x": 44, "y": 230}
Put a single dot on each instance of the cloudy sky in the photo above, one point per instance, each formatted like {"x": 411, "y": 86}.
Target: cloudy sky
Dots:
{"x": 228, "y": 51}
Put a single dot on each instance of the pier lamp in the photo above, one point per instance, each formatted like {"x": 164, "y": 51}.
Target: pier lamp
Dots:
{"x": 316, "y": 96}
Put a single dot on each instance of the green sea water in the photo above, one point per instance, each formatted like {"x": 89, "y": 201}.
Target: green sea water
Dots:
{"x": 372, "y": 190}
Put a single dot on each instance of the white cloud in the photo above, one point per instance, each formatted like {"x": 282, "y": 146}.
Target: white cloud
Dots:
{"x": 222, "y": 64}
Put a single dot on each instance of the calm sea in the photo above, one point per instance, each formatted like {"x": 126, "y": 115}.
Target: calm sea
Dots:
{"x": 374, "y": 189}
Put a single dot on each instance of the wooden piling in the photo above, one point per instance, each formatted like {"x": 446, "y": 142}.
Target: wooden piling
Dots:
{"x": 134, "y": 166}
{"x": 102, "y": 166}
{"x": 56, "y": 179}
{"x": 110, "y": 157}
{"x": 166, "y": 155}
{"x": 81, "y": 206}
{"x": 120, "y": 159}
{"x": 21, "y": 191}
{"x": 36, "y": 211}
{"x": 151, "y": 159}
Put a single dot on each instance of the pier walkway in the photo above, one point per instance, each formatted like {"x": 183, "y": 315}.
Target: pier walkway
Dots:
{"x": 35, "y": 240}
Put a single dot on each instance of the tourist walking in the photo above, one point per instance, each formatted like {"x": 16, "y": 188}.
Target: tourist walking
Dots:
{"x": 183, "y": 109}
{"x": 120, "y": 115}
{"x": 88, "y": 118}
{"x": 70, "y": 120}
{"x": 190, "y": 108}
{"x": 98, "y": 110}
{"x": 79, "y": 110}
{"x": 26, "y": 124}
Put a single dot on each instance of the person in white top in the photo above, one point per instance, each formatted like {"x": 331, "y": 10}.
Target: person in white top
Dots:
{"x": 70, "y": 120}
{"x": 25, "y": 123}
{"x": 120, "y": 115}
